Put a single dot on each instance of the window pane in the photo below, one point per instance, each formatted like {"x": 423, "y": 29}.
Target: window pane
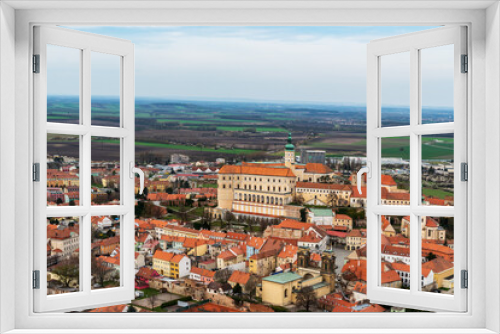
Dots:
{"x": 437, "y": 78}
{"x": 438, "y": 174}
{"x": 395, "y": 171}
{"x": 395, "y": 89}
{"x": 105, "y": 260}
{"x": 437, "y": 254}
{"x": 63, "y": 84}
{"x": 63, "y": 171}
{"x": 105, "y": 89}
{"x": 105, "y": 171}
{"x": 63, "y": 257}
{"x": 395, "y": 252}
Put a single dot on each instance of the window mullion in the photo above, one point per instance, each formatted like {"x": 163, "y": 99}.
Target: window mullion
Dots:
{"x": 414, "y": 167}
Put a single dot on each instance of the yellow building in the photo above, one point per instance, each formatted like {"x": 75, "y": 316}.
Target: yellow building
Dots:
{"x": 282, "y": 289}
{"x": 171, "y": 265}
{"x": 263, "y": 263}
{"x": 325, "y": 194}
{"x": 264, "y": 189}
{"x": 278, "y": 289}
{"x": 431, "y": 230}
{"x": 355, "y": 239}
{"x": 443, "y": 270}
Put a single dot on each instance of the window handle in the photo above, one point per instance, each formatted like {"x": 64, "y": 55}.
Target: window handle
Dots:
{"x": 361, "y": 171}
{"x": 133, "y": 171}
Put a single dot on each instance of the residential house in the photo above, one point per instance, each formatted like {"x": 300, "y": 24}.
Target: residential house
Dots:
{"x": 171, "y": 265}
{"x": 245, "y": 280}
{"x": 203, "y": 275}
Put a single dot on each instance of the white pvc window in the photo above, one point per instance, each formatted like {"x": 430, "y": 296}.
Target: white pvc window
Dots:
{"x": 70, "y": 57}
{"x": 410, "y": 56}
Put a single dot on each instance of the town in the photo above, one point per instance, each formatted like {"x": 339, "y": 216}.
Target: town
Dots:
{"x": 267, "y": 236}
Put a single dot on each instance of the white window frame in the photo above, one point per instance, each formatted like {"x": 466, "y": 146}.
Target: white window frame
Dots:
{"x": 412, "y": 44}
{"x": 483, "y": 20}
{"x": 89, "y": 44}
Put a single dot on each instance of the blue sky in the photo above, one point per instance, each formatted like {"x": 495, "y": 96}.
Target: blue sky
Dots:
{"x": 317, "y": 64}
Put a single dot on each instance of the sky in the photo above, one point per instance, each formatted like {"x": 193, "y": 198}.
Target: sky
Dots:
{"x": 302, "y": 64}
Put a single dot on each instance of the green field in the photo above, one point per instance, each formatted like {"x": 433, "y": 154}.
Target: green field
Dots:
{"x": 181, "y": 147}
{"x": 432, "y": 148}
{"x": 438, "y": 193}
{"x": 243, "y": 128}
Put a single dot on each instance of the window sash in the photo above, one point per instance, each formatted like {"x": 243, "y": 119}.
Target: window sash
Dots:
{"x": 375, "y": 132}
{"x": 87, "y": 43}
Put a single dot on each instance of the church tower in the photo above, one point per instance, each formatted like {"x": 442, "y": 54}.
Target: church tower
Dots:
{"x": 289, "y": 152}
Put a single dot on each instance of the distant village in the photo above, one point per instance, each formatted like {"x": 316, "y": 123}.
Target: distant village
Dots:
{"x": 279, "y": 236}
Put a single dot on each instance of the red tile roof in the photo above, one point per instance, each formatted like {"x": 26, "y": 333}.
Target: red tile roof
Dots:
{"x": 203, "y": 272}
{"x": 356, "y": 194}
{"x": 438, "y": 265}
{"x": 317, "y": 168}
{"x": 256, "y": 170}
{"x": 293, "y": 225}
{"x": 288, "y": 251}
{"x": 387, "y": 180}
{"x": 168, "y": 257}
{"x": 239, "y": 277}
{"x": 390, "y": 276}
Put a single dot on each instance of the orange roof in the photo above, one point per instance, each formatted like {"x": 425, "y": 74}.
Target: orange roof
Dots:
{"x": 203, "y": 272}
{"x": 210, "y": 307}
{"x": 400, "y": 267}
{"x": 236, "y": 236}
{"x": 168, "y": 257}
{"x": 395, "y": 196}
{"x": 293, "y": 225}
{"x": 356, "y": 194}
{"x": 310, "y": 238}
{"x": 110, "y": 309}
{"x": 438, "y": 265}
{"x": 398, "y": 251}
{"x": 431, "y": 222}
{"x": 398, "y": 240}
{"x": 389, "y": 276}
{"x": 387, "y": 180}
{"x": 256, "y": 170}
{"x": 357, "y": 233}
{"x": 288, "y": 251}
{"x": 437, "y": 248}
{"x": 385, "y": 223}
{"x": 239, "y": 277}
{"x": 342, "y": 216}
{"x": 314, "y": 185}
{"x": 360, "y": 287}
{"x": 317, "y": 168}
{"x": 255, "y": 242}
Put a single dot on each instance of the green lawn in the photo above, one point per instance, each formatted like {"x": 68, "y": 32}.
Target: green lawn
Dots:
{"x": 149, "y": 292}
{"x": 436, "y": 193}
{"x": 209, "y": 185}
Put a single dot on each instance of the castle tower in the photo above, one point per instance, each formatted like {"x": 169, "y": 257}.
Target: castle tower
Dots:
{"x": 289, "y": 152}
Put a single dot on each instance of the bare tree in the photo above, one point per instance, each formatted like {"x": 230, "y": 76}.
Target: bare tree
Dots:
{"x": 68, "y": 271}
{"x": 306, "y": 298}
{"x": 332, "y": 199}
{"x": 299, "y": 199}
{"x": 99, "y": 271}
